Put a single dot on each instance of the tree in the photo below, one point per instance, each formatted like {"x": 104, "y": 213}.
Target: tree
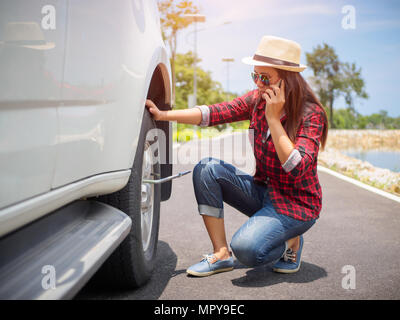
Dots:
{"x": 208, "y": 91}
{"x": 349, "y": 119}
{"x": 352, "y": 83}
{"x": 333, "y": 78}
{"x": 345, "y": 119}
{"x": 172, "y": 20}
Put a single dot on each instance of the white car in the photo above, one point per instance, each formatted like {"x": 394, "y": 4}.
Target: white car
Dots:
{"x": 80, "y": 177}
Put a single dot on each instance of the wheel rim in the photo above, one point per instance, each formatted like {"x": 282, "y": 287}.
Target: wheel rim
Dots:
{"x": 147, "y": 201}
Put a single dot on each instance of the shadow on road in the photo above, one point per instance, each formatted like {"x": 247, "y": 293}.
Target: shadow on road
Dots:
{"x": 166, "y": 261}
{"x": 264, "y": 276}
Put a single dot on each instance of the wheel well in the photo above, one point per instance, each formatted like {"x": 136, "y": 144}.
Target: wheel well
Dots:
{"x": 160, "y": 93}
{"x": 160, "y": 88}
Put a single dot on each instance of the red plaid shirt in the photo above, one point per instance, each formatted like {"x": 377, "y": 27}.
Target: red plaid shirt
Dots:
{"x": 293, "y": 187}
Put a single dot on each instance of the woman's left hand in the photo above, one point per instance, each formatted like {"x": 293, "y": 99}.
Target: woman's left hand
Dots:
{"x": 275, "y": 100}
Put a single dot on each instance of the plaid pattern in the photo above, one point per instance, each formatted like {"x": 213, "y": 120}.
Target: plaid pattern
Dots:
{"x": 293, "y": 187}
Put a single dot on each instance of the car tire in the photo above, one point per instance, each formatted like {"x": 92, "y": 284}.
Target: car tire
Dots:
{"x": 132, "y": 263}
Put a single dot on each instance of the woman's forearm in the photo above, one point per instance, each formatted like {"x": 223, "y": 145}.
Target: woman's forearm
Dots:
{"x": 188, "y": 116}
{"x": 283, "y": 145}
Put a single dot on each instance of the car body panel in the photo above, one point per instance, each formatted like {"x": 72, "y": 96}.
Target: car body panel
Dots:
{"x": 32, "y": 38}
{"x": 104, "y": 87}
{"x": 80, "y": 115}
{"x": 16, "y": 216}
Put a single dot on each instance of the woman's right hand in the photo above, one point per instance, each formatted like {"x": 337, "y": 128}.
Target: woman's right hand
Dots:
{"x": 155, "y": 112}
{"x": 189, "y": 115}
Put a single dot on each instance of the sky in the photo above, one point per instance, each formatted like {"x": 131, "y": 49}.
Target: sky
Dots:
{"x": 373, "y": 44}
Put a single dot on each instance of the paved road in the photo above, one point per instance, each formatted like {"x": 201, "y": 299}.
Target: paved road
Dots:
{"x": 356, "y": 228}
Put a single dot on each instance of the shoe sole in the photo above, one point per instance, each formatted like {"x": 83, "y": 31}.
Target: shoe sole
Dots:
{"x": 205, "y": 274}
{"x": 287, "y": 270}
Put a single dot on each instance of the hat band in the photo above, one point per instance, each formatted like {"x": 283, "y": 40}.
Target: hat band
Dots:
{"x": 275, "y": 61}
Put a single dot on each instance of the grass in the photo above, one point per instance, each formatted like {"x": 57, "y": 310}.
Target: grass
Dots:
{"x": 393, "y": 189}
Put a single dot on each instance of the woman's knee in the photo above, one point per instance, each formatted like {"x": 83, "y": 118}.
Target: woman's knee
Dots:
{"x": 205, "y": 166}
{"x": 245, "y": 251}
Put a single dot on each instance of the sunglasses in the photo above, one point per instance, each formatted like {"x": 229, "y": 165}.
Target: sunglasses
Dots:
{"x": 264, "y": 79}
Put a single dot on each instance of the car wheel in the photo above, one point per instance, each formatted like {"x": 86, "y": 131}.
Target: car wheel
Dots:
{"x": 132, "y": 263}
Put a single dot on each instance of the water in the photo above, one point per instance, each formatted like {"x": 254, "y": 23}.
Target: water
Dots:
{"x": 382, "y": 159}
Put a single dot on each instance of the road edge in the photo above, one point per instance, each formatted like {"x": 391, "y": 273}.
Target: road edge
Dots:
{"x": 359, "y": 183}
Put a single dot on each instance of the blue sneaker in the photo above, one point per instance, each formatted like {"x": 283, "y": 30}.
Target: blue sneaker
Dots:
{"x": 210, "y": 265}
{"x": 290, "y": 261}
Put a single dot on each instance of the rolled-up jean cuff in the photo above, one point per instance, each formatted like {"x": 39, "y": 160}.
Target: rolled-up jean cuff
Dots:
{"x": 211, "y": 211}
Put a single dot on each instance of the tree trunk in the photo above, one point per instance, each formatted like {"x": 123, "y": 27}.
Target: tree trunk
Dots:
{"x": 331, "y": 111}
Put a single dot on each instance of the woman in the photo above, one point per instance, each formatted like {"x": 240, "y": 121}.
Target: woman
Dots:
{"x": 283, "y": 199}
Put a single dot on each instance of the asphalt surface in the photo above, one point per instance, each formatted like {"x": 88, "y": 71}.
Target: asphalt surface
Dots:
{"x": 356, "y": 228}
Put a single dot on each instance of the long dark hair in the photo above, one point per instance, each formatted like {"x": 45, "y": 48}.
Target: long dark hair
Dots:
{"x": 299, "y": 98}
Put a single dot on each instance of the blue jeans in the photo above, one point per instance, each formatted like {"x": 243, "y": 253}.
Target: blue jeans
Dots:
{"x": 262, "y": 239}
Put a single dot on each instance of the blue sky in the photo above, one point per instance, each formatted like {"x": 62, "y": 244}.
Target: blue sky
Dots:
{"x": 373, "y": 45}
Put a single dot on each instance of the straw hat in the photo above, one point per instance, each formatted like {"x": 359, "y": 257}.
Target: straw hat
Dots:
{"x": 26, "y": 35}
{"x": 277, "y": 53}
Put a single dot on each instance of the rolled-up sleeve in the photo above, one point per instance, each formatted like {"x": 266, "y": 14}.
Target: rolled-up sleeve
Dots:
{"x": 292, "y": 161}
{"x": 306, "y": 149}
{"x": 205, "y": 115}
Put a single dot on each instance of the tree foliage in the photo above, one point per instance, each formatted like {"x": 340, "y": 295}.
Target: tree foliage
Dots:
{"x": 208, "y": 91}
{"x": 333, "y": 78}
{"x": 172, "y": 20}
{"x": 350, "y": 119}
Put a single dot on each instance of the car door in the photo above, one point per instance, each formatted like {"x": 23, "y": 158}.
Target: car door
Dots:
{"x": 102, "y": 90}
{"x": 32, "y": 36}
